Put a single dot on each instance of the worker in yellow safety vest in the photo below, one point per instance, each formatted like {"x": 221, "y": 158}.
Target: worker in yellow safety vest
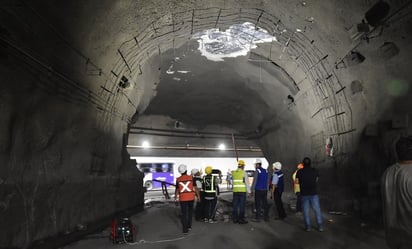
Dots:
{"x": 210, "y": 193}
{"x": 240, "y": 188}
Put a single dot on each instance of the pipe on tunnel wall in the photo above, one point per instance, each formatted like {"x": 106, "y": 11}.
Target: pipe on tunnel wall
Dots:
{"x": 194, "y": 148}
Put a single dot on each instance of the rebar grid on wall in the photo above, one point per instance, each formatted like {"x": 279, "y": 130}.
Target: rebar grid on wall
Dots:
{"x": 54, "y": 74}
{"x": 171, "y": 31}
{"x": 329, "y": 101}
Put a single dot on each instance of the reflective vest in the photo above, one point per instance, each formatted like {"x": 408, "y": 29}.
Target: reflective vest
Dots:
{"x": 209, "y": 186}
{"x": 185, "y": 186}
{"x": 239, "y": 184}
{"x": 280, "y": 184}
{"x": 296, "y": 186}
{"x": 262, "y": 179}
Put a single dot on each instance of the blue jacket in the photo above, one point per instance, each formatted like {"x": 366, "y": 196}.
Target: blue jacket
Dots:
{"x": 261, "y": 179}
{"x": 280, "y": 184}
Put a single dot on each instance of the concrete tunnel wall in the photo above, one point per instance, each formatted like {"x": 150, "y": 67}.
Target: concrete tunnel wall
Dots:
{"x": 61, "y": 170}
{"x": 64, "y": 116}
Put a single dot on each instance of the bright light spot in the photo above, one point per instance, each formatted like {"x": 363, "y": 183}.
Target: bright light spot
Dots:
{"x": 145, "y": 144}
{"x": 236, "y": 41}
{"x": 298, "y": 30}
{"x": 222, "y": 147}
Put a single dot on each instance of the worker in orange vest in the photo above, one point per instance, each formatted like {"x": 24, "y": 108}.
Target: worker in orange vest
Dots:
{"x": 186, "y": 193}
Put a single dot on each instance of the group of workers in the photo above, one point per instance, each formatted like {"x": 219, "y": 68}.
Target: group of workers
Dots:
{"x": 396, "y": 192}
{"x": 206, "y": 189}
{"x": 305, "y": 186}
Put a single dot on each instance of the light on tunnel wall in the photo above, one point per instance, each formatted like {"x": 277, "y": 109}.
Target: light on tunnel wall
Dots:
{"x": 222, "y": 147}
{"x": 145, "y": 144}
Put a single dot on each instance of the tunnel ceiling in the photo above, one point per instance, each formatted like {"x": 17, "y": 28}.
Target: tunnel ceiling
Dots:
{"x": 121, "y": 54}
{"x": 195, "y": 90}
{"x": 238, "y": 89}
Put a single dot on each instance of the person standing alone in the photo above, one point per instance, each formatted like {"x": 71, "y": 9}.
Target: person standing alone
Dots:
{"x": 307, "y": 178}
{"x": 277, "y": 189}
{"x": 186, "y": 194}
{"x": 240, "y": 187}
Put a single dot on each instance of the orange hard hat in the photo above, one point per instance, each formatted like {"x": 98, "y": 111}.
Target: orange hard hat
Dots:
{"x": 300, "y": 166}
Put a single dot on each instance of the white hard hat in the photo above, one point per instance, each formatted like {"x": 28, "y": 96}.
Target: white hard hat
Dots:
{"x": 182, "y": 168}
{"x": 194, "y": 171}
{"x": 258, "y": 161}
{"x": 277, "y": 165}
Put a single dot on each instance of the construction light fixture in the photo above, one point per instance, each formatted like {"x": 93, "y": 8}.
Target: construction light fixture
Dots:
{"x": 222, "y": 147}
{"x": 145, "y": 144}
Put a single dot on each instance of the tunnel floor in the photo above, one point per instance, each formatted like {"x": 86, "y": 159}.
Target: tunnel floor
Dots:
{"x": 158, "y": 226}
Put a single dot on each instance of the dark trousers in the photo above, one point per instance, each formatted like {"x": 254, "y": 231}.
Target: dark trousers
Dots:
{"x": 187, "y": 212}
{"x": 279, "y": 204}
{"x": 298, "y": 202}
{"x": 210, "y": 208}
{"x": 199, "y": 210}
{"x": 261, "y": 201}
{"x": 239, "y": 203}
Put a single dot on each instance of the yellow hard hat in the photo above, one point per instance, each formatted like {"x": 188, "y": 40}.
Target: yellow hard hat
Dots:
{"x": 208, "y": 170}
{"x": 241, "y": 163}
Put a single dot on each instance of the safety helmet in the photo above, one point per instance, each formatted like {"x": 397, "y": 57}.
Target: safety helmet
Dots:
{"x": 208, "y": 170}
{"x": 258, "y": 161}
{"x": 241, "y": 163}
{"x": 182, "y": 168}
{"x": 300, "y": 166}
{"x": 277, "y": 165}
{"x": 194, "y": 171}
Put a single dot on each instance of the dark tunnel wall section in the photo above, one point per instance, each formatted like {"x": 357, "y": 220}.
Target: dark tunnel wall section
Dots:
{"x": 50, "y": 160}
{"x": 60, "y": 168}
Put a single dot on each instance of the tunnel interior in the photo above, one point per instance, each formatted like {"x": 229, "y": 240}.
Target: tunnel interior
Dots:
{"x": 81, "y": 81}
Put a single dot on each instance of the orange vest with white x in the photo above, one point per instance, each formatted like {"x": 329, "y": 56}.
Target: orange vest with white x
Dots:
{"x": 185, "y": 186}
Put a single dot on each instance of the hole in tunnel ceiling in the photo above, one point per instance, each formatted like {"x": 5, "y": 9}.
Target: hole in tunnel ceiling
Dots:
{"x": 235, "y": 41}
